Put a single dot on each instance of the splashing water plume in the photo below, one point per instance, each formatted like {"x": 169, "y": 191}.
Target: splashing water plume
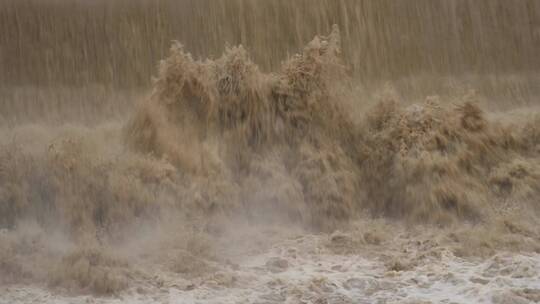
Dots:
{"x": 224, "y": 162}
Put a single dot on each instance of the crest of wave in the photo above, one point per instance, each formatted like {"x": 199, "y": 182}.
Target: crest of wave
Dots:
{"x": 439, "y": 162}
{"x": 434, "y": 162}
{"x": 281, "y": 135}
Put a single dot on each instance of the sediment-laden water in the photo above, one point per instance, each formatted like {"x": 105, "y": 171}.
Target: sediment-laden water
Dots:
{"x": 239, "y": 179}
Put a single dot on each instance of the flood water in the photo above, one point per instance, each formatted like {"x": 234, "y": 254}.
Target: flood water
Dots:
{"x": 251, "y": 151}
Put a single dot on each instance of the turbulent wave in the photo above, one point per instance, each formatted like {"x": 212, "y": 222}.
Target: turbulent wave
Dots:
{"x": 220, "y": 142}
{"x": 427, "y": 161}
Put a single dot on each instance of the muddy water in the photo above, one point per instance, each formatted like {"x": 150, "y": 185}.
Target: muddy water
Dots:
{"x": 356, "y": 171}
{"x": 305, "y": 268}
